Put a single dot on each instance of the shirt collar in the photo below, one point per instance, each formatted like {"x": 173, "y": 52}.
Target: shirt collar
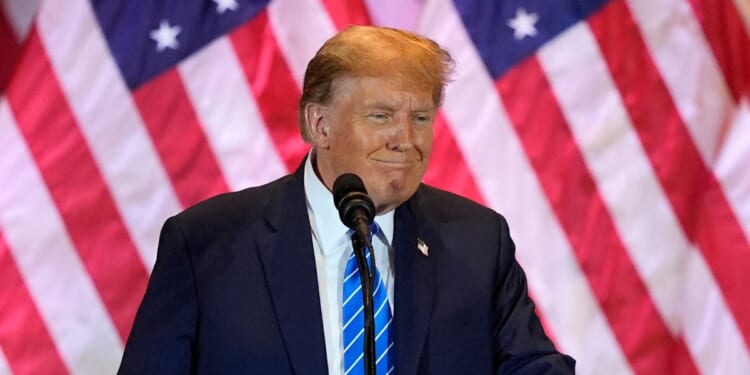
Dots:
{"x": 324, "y": 217}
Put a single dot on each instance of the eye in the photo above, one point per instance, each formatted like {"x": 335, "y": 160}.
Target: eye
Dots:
{"x": 378, "y": 116}
{"x": 422, "y": 119}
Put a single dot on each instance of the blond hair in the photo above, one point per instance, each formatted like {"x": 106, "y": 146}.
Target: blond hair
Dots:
{"x": 368, "y": 51}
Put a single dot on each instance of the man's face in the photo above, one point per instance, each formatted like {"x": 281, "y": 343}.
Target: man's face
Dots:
{"x": 377, "y": 129}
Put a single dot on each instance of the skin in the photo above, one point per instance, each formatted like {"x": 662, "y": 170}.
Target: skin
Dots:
{"x": 378, "y": 129}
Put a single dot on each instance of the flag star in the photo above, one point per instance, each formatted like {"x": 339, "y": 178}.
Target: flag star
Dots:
{"x": 224, "y": 5}
{"x": 523, "y": 24}
{"x": 166, "y": 36}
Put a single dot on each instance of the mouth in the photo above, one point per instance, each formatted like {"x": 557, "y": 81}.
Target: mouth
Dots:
{"x": 396, "y": 163}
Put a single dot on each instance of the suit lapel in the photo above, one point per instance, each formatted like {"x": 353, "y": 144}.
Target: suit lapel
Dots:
{"x": 415, "y": 285}
{"x": 286, "y": 252}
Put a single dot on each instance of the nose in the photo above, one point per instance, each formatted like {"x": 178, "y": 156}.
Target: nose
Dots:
{"x": 401, "y": 137}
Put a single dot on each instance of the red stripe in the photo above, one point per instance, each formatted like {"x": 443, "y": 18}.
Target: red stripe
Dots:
{"x": 693, "y": 191}
{"x": 11, "y": 50}
{"x": 273, "y": 86}
{"x": 24, "y": 338}
{"x": 347, "y": 12}
{"x": 179, "y": 139}
{"x": 729, "y": 41}
{"x": 447, "y": 169}
{"x": 646, "y": 341}
{"x": 77, "y": 186}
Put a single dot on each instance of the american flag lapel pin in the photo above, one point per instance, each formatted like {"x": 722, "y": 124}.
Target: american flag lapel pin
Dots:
{"x": 422, "y": 247}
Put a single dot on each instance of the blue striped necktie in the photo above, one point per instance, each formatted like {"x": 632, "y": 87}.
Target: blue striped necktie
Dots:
{"x": 354, "y": 320}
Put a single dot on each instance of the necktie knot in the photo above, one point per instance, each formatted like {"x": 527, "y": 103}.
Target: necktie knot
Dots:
{"x": 374, "y": 229}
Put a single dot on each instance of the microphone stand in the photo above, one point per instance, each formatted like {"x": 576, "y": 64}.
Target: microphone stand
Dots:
{"x": 367, "y": 276}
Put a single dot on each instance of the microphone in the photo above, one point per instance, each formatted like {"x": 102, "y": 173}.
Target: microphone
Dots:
{"x": 356, "y": 209}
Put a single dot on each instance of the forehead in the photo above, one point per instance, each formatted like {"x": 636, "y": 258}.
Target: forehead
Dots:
{"x": 381, "y": 91}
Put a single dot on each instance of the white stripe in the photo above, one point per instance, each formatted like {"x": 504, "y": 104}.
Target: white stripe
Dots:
{"x": 696, "y": 84}
{"x": 49, "y": 264}
{"x": 234, "y": 127}
{"x": 636, "y": 201}
{"x": 4, "y": 367}
{"x": 401, "y": 14}
{"x": 354, "y": 316}
{"x": 359, "y": 288}
{"x": 361, "y": 331}
{"x": 20, "y": 14}
{"x": 360, "y": 310}
{"x": 355, "y": 363}
{"x": 382, "y": 330}
{"x": 712, "y": 337}
{"x": 384, "y": 353}
{"x": 108, "y": 120}
{"x": 356, "y": 291}
{"x": 732, "y": 163}
{"x": 377, "y": 287}
{"x": 301, "y": 27}
{"x": 390, "y": 370}
{"x": 480, "y": 123}
{"x": 743, "y": 9}
{"x": 380, "y": 308}
{"x": 356, "y": 270}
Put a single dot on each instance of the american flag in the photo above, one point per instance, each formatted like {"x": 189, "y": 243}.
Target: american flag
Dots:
{"x": 613, "y": 134}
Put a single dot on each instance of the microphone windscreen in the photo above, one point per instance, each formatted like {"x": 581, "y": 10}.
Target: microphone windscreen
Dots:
{"x": 345, "y": 184}
{"x": 351, "y": 199}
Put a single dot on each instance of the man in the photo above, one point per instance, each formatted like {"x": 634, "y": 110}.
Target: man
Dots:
{"x": 254, "y": 281}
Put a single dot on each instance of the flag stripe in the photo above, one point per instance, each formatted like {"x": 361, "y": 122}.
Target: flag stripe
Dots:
{"x": 297, "y": 46}
{"x": 11, "y": 50}
{"x": 678, "y": 53}
{"x": 637, "y": 204}
{"x": 117, "y": 137}
{"x": 21, "y": 326}
{"x": 743, "y": 8}
{"x": 19, "y": 15}
{"x": 4, "y": 366}
{"x": 179, "y": 139}
{"x": 76, "y": 185}
{"x": 553, "y": 272}
{"x": 551, "y": 149}
{"x": 448, "y": 169}
{"x": 680, "y": 169}
{"x": 401, "y": 14}
{"x": 731, "y": 164}
{"x": 729, "y": 41}
{"x": 273, "y": 86}
{"x": 347, "y": 12}
{"x": 51, "y": 268}
{"x": 215, "y": 82}
{"x": 703, "y": 100}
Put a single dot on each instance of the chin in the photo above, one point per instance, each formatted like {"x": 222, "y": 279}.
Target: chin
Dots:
{"x": 392, "y": 196}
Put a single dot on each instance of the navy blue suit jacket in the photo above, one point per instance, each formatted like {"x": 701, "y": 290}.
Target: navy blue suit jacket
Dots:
{"x": 234, "y": 291}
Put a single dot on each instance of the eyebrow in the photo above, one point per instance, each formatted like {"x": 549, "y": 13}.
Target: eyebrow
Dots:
{"x": 392, "y": 106}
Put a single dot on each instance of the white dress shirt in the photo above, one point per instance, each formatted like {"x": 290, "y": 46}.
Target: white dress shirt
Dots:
{"x": 332, "y": 249}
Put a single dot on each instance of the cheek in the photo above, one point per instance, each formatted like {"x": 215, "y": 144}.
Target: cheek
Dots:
{"x": 424, "y": 142}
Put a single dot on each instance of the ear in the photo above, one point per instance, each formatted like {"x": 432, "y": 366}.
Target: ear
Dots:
{"x": 317, "y": 122}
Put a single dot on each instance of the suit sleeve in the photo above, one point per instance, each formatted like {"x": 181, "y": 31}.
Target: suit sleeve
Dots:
{"x": 163, "y": 334}
{"x": 521, "y": 346}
